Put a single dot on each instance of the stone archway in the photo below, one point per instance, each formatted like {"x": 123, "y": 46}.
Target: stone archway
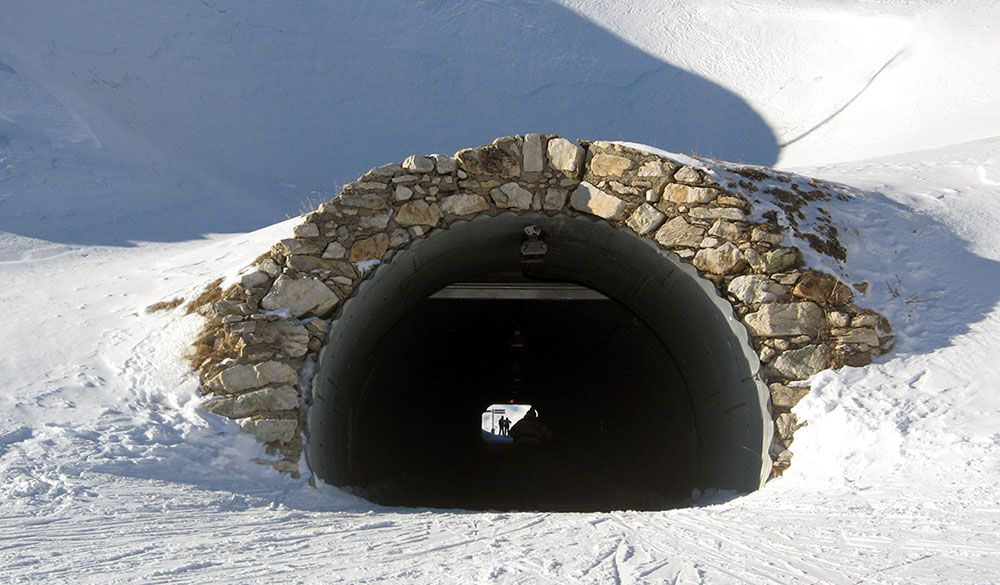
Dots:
{"x": 677, "y": 246}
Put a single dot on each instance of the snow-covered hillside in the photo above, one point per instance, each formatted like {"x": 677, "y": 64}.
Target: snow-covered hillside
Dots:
{"x": 128, "y": 132}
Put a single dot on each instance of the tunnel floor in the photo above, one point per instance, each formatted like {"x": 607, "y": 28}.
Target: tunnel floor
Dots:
{"x": 622, "y": 422}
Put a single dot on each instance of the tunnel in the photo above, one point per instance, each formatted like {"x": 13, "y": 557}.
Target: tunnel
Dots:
{"x": 633, "y": 361}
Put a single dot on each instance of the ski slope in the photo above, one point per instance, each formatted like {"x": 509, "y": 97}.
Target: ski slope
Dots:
{"x": 147, "y": 150}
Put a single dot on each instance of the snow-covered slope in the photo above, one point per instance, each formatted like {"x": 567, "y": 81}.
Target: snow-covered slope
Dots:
{"x": 123, "y": 124}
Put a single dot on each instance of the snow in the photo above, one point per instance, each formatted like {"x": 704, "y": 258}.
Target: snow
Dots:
{"x": 128, "y": 135}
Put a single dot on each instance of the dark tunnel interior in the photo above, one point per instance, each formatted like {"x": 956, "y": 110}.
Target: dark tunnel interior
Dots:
{"x": 622, "y": 420}
{"x": 648, "y": 386}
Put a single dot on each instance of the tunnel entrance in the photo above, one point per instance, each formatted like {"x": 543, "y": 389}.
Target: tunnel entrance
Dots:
{"x": 638, "y": 368}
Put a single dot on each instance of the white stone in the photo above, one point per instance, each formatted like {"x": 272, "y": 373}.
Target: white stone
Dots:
{"x": 651, "y": 169}
{"x": 802, "y": 362}
{"x": 555, "y": 199}
{"x": 271, "y": 429}
{"x": 275, "y": 372}
{"x": 270, "y": 267}
{"x": 564, "y": 155}
{"x": 588, "y": 198}
{"x": 264, "y": 400}
{"x": 335, "y": 251}
{"x": 402, "y": 193}
{"x": 306, "y": 230}
{"x": 463, "y": 204}
{"x": 255, "y": 279}
{"x": 533, "y": 159}
{"x": 646, "y": 219}
{"x": 418, "y": 164}
{"x": 786, "y": 319}
{"x": 512, "y": 196}
{"x": 299, "y": 296}
{"x": 687, "y": 174}
{"x": 678, "y": 232}
{"x": 725, "y": 259}
{"x": 683, "y": 194}
{"x": 717, "y": 213}
{"x": 445, "y": 164}
{"x": 753, "y": 289}
{"x": 234, "y": 379}
{"x": 609, "y": 165}
{"x": 725, "y": 230}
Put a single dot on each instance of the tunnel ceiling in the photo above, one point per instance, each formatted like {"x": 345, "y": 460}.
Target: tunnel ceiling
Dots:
{"x": 727, "y": 313}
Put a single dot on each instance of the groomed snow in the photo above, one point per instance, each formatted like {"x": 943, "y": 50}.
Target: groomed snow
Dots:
{"x": 109, "y": 472}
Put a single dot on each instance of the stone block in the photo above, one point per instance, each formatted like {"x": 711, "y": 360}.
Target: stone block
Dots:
{"x": 589, "y": 199}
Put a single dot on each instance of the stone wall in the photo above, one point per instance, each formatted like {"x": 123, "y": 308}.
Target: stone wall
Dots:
{"x": 261, "y": 342}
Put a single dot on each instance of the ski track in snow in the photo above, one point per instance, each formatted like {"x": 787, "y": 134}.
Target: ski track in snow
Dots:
{"x": 110, "y": 473}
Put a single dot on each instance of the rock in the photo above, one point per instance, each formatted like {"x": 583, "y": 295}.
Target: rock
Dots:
{"x": 865, "y": 320}
{"x": 688, "y": 175}
{"x": 306, "y": 230}
{"x": 754, "y": 289}
{"x": 307, "y": 263}
{"x": 372, "y": 248}
{"x": 269, "y": 430}
{"x": 590, "y": 199}
{"x": 767, "y": 354}
{"x": 762, "y": 235}
{"x": 838, "y": 319}
{"x": 512, "y": 196}
{"x": 609, "y": 165}
{"x": 418, "y": 213}
{"x": 678, "y": 232}
{"x": 779, "y": 260}
{"x": 803, "y": 362}
{"x": 786, "y": 396}
{"x": 299, "y": 296}
{"x": 823, "y": 289}
{"x": 786, "y": 319}
{"x": 270, "y": 267}
{"x": 533, "y": 158}
{"x": 785, "y": 425}
{"x": 418, "y": 164}
{"x": 725, "y": 259}
{"x": 565, "y": 156}
{"x": 555, "y": 199}
{"x": 463, "y": 204}
{"x": 402, "y": 193}
{"x": 683, "y": 194}
{"x": 375, "y": 201}
{"x": 264, "y": 400}
{"x": 255, "y": 279}
{"x": 710, "y": 242}
{"x": 377, "y": 221}
{"x": 489, "y": 160}
{"x": 729, "y": 213}
{"x": 862, "y": 335}
{"x": 398, "y": 237}
{"x": 445, "y": 164}
{"x": 233, "y": 379}
{"x": 386, "y": 170}
{"x": 335, "y": 251}
{"x": 291, "y": 246}
{"x": 651, "y": 169}
{"x": 275, "y": 372}
{"x": 646, "y": 219}
{"x": 725, "y": 230}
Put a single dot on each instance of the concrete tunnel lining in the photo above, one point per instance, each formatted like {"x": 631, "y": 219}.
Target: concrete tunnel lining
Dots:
{"x": 697, "y": 327}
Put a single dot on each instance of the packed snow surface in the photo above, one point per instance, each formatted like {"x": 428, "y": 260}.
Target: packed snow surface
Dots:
{"x": 133, "y": 137}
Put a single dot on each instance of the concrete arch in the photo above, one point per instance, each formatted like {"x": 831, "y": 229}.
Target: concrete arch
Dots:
{"x": 720, "y": 370}
{"x": 705, "y": 284}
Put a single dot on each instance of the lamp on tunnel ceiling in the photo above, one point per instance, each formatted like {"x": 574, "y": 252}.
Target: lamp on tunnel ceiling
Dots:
{"x": 533, "y": 249}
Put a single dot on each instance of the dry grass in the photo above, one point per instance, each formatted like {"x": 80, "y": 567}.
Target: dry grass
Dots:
{"x": 165, "y": 305}
{"x": 212, "y": 292}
